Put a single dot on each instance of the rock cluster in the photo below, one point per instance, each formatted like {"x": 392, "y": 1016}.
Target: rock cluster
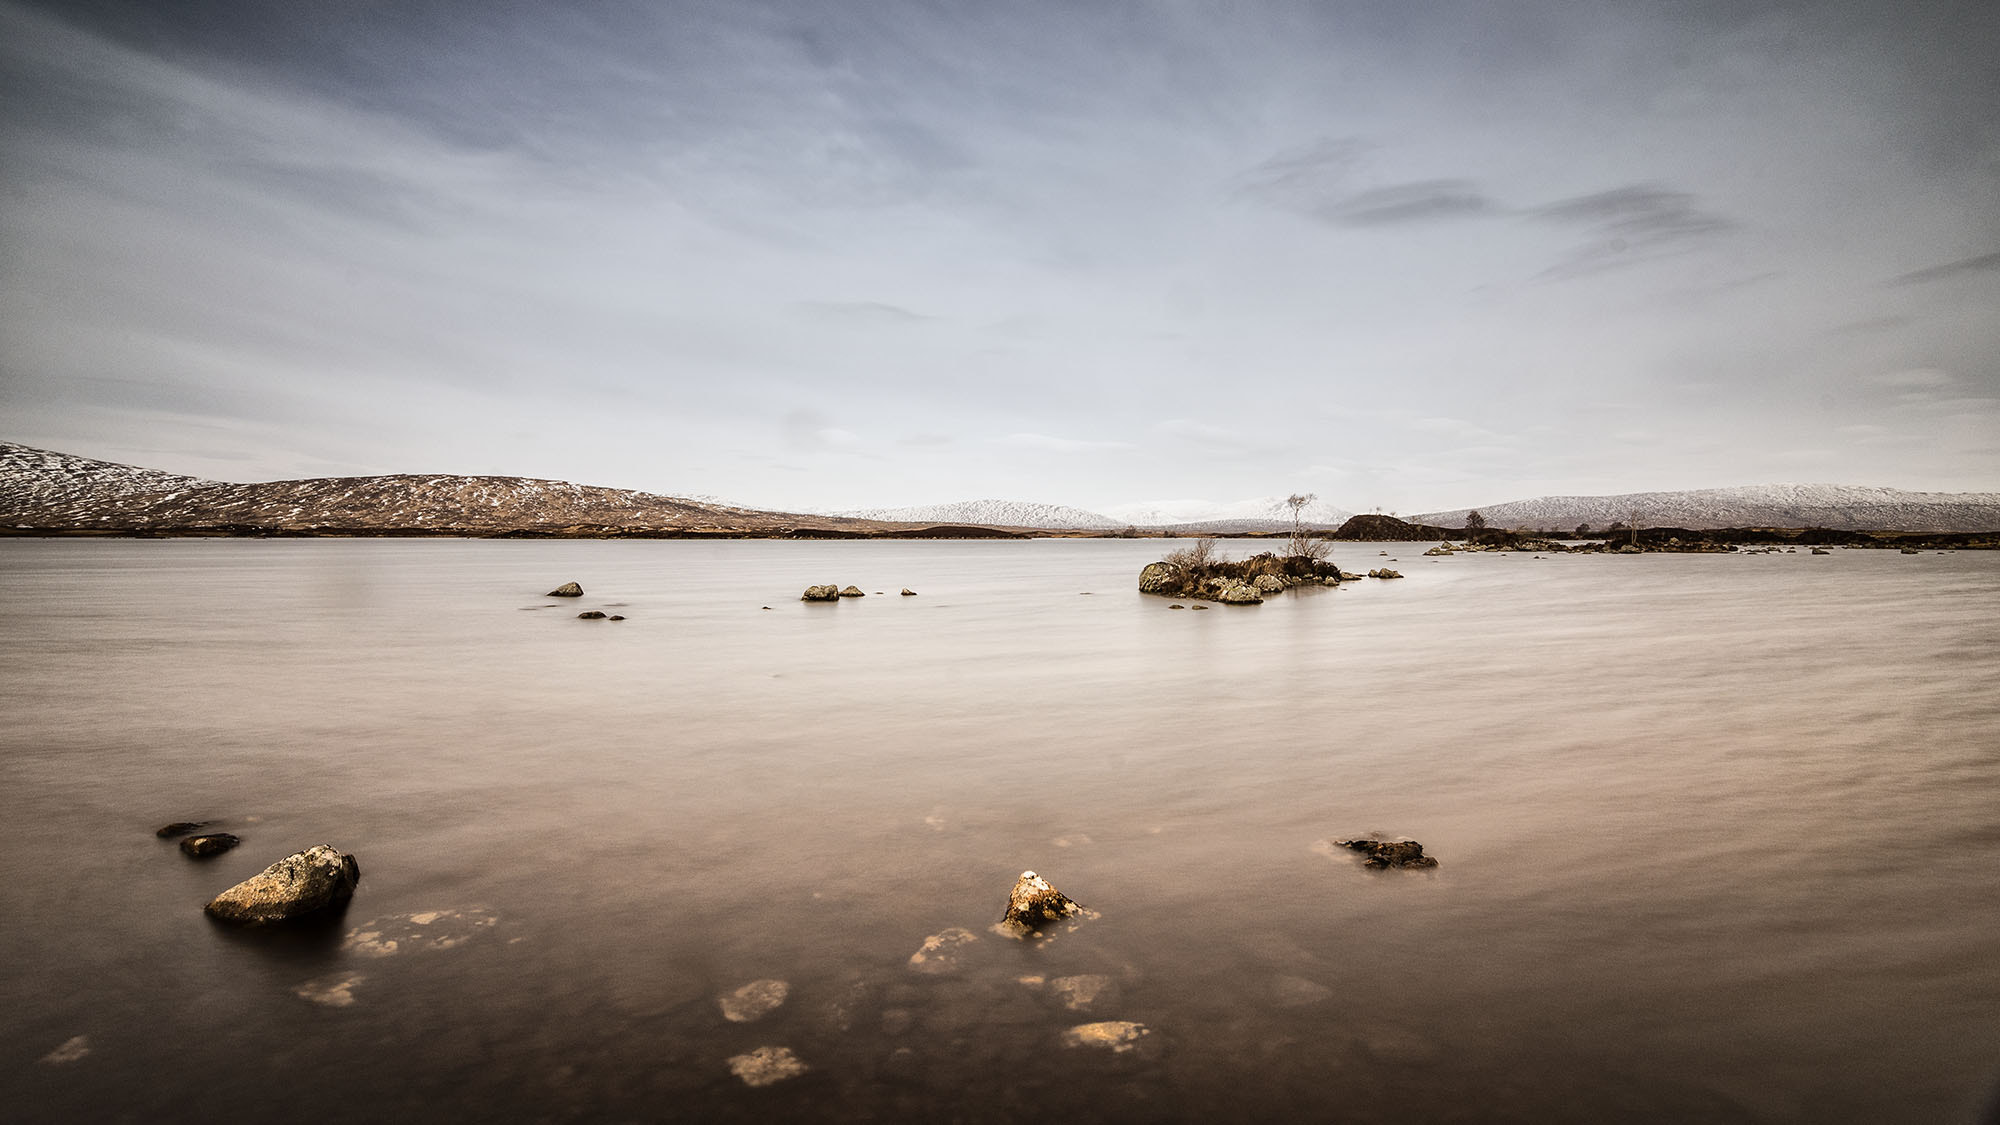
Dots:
{"x": 1385, "y": 572}
{"x": 1244, "y": 582}
{"x": 1383, "y": 854}
{"x": 301, "y": 884}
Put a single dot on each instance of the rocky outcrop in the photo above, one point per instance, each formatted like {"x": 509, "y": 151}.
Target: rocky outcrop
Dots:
{"x": 1248, "y": 581}
{"x": 214, "y": 843}
{"x": 566, "y": 590}
{"x": 297, "y": 886}
{"x": 1383, "y": 854}
{"x": 1034, "y": 903}
{"x": 820, "y": 594}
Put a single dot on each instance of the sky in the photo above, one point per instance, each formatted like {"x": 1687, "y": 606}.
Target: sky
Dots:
{"x": 1408, "y": 256}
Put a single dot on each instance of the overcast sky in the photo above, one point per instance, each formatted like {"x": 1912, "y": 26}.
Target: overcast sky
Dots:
{"x": 1408, "y": 256}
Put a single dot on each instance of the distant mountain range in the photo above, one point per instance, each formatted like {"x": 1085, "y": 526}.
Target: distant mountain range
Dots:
{"x": 41, "y": 490}
{"x": 1834, "y": 506}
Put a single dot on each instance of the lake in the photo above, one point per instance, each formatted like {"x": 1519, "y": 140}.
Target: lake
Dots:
{"x": 1719, "y": 835}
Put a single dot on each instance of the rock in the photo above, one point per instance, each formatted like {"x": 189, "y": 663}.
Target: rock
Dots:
{"x": 1117, "y": 1036}
{"x": 1440, "y": 549}
{"x": 215, "y": 843}
{"x": 820, "y": 594}
{"x": 1157, "y": 578}
{"x": 939, "y": 953}
{"x": 1034, "y": 903}
{"x": 1385, "y": 572}
{"x": 767, "y": 1065}
{"x": 852, "y": 592}
{"x": 1390, "y": 853}
{"x": 753, "y": 1001}
{"x": 616, "y": 617}
{"x": 1269, "y": 584}
{"x": 69, "y": 1051}
{"x": 1177, "y": 605}
{"x": 1911, "y": 551}
{"x": 416, "y": 933}
{"x": 592, "y": 615}
{"x": 1078, "y": 993}
{"x": 909, "y": 593}
{"x": 1349, "y": 576}
{"x": 182, "y": 828}
{"x": 333, "y": 992}
{"x": 566, "y": 590}
{"x": 1195, "y": 607}
{"x": 1239, "y": 593}
{"x": 304, "y": 883}
{"x": 1821, "y": 551}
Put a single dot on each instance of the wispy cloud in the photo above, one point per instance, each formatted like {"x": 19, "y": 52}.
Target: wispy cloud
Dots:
{"x": 1419, "y": 202}
{"x": 1060, "y": 444}
{"x": 1984, "y": 263}
{"x": 1628, "y": 226}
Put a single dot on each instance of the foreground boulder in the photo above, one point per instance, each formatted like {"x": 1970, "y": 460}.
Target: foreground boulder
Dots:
{"x": 1383, "y": 854}
{"x": 214, "y": 843}
{"x": 566, "y": 590}
{"x": 304, "y": 883}
{"x": 820, "y": 594}
{"x": 1034, "y": 903}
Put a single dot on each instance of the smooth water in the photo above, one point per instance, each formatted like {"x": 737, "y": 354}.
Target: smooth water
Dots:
{"x": 1719, "y": 834}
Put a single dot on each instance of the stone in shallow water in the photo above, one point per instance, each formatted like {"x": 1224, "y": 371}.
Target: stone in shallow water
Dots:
{"x": 591, "y": 615}
{"x": 214, "y": 843}
{"x": 940, "y": 952}
{"x": 303, "y": 883}
{"x": 181, "y": 828}
{"x": 753, "y": 1001}
{"x": 1034, "y": 903}
{"x": 1079, "y": 993}
{"x": 1297, "y": 992}
{"x": 70, "y": 1051}
{"x": 334, "y": 992}
{"x": 566, "y": 590}
{"x": 1382, "y": 854}
{"x": 415, "y": 933}
{"x": 820, "y": 594}
{"x": 1117, "y": 1036}
{"x": 767, "y": 1065}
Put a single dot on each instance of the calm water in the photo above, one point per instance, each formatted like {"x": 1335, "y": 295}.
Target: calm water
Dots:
{"x": 1720, "y": 835}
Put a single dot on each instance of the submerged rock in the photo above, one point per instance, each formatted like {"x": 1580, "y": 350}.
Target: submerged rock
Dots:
{"x": 69, "y": 1051}
{"x": 298, "y": 885}
{"x": 182, "y": 828}
{"x": 1117, "y": 1036}
{"x": 753, "y": 1001}
{"x": 1383, "y": 854}
{"x": 1080, "y": 993}
{"x": 820, "y": 594}
{"x": 336, "y": 991}
{"x": 1034, "y": 903}
{"x": 939, "y": 952}
{"x": 412, "y": 933}
{"x": 566, "y": 590}
{"x": 767, "y": 1065}
{"x": 215, "y": 843}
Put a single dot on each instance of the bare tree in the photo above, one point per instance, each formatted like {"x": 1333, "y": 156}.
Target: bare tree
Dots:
{"x": 1303, "y": 545}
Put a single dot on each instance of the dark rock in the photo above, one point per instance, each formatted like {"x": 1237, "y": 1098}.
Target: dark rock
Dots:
{"x": 1034, "y": 903}
{"x": 1384, "y": 854}
{"x": 909, "y": 593}
{"x": 592, "y": 615}
{"x": 302, "y": 884}
{"x": 566, "y": 590}
{"x": 215, "y": 843}
{"x": 1385, "y": 572}
{"x": 820, "y": 594}
{"x": 852, "y": 592}
{"x": 181, "y": 828}
{"x": 1177, "y": 605}
{"x": 616, "y": 617}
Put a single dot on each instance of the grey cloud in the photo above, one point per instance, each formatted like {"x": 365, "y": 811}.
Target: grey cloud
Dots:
{"x": 1303, "y": 179}
{"x": 1984, "y": 263}
{"x": 1422, "y": 201}
{"x": 1628, "y": 226}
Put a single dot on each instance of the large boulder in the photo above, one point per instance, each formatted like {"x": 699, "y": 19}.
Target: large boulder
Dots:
{"x": 305, "y": 883}
{"x": 567, "y": 590}
{"x": 1239, "y": 593}
{"x": 820, "y": 594}
{"x": 1157, "y": 578}
{"x": 1033, "y": 903}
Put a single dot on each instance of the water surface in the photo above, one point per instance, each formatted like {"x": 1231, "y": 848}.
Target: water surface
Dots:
{"x": 1718, "y": 833}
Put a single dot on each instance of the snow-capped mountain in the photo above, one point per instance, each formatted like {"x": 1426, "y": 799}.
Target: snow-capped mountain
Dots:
{"x": 60, "y": 491}
{"x": 1264, "y": 513}
{"x": 999, "y": 513}
{"x": 1835, "y": 506}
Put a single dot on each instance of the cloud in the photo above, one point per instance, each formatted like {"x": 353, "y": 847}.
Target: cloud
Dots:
{"x": 1061, "y": 445}
{"x": 1985, "y": 263}
{"x": 1628, "y": 226}
{"x": 859, "y": 312}
{"x": 1914, "y": 379}
{"x": 1303, "y": 179}
{"x": 1418, "y": 202}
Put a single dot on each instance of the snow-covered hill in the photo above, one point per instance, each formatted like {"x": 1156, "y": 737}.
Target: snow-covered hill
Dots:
{"x": 998, "y": 513}
{"x": 1835, "y": 506}
{"x": 1265, "y": 513}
